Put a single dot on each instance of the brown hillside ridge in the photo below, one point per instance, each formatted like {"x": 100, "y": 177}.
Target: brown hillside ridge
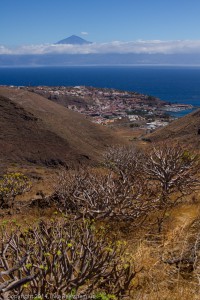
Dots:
{"x": 185, "y": 130}
{"x": 37, "y": 131}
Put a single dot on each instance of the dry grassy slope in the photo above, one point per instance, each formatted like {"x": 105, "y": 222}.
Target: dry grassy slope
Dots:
{"x": 184, "y": 130}
{"x": 38, "y": 130}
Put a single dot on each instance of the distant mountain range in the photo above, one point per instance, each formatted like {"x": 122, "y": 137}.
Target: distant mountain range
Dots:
{"x": 112, "y": 59}
{"x": 74, "y": 40}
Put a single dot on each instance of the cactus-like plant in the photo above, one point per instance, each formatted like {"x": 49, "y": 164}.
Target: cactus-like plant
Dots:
{"x": 59, "y": 257}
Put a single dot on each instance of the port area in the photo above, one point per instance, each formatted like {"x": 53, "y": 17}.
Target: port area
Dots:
{"x": 115, "y": 108}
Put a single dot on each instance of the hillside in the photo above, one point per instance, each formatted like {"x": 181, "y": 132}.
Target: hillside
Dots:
{"x": 184, "y": 130}
{"x": 38, "y": 131}
{"x": 153, "y": 234}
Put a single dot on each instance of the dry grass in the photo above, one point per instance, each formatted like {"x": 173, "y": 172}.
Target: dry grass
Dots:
{"x": 183, "y": 130}
{"x": 159, "y": 279}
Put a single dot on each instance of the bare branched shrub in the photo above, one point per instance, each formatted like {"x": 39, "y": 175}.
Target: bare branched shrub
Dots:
{"x": 103, "y": 196}
{"x": 125, "y": 160}
{"x": 11, "y": 185}
{"x": 173, "y": 169}
{"x": 60, "y": 258}
{"x": 174, "y": 173}
{"x": 168, "y": 170}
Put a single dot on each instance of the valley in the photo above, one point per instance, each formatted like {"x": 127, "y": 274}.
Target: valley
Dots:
{"x": 115, "y": 202}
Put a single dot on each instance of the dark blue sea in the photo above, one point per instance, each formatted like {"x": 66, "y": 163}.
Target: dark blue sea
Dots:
{"x": 174, "y": 84}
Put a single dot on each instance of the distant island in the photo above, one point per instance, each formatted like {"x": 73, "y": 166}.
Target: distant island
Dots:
{"x": 98, "y": 59}
{"x": 74, "y": 40}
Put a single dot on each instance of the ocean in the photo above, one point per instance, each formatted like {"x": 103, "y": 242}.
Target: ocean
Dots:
{"x": 173, "y": 84}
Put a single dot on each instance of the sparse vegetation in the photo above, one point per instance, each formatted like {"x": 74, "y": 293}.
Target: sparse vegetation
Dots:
{"x": 76, "y": 254}
{"x": 107, "y": 196}
{"x": 173, "y": 168}
{"x": 12, "y": 185}
{"x": 145, "y": 196}
{"x": 174, "y": 171}
{"x": 62, "y": 257}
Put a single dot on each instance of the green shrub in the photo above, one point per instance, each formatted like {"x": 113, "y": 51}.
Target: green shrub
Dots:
{"x": 11, "y": 185}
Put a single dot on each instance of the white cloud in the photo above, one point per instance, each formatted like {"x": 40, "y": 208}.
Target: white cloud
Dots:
{"x": 4, "y": 50}
{"x": 140, "y": 46}
{"x": 84, "y": 33}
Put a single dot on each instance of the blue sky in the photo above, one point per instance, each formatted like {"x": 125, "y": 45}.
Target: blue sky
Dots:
{"x": 47, "y": 21}
{"x": 41, "y": 22}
